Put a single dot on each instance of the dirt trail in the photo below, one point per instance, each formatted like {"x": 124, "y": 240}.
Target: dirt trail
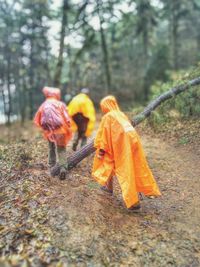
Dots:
{"x": 88, "y": 227}
{"x": 100, "y": 231}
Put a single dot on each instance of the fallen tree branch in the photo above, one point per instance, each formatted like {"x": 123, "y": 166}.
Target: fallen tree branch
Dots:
{"x": 89, "y": 148}
{"x": 163, "y": 97}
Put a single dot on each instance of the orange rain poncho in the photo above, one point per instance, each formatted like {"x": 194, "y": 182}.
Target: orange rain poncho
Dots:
{"x": 82, "y": 104}
{"x": 53, "y": 119}
{"x": 124, "y": 155}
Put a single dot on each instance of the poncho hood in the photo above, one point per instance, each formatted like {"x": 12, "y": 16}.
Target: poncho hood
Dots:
{"x": 51, "y": 92}
{"x": 109, "y": 103}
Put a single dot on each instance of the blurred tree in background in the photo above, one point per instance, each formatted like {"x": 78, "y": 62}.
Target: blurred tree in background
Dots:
{"x": 124, "y": 47}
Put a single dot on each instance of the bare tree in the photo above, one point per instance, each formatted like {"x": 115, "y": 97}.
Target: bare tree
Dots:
{"x": 59, "y": 65}
{"x": 104, "y": 46}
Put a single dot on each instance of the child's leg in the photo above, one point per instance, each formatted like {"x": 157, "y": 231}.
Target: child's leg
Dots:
{"x": 60, "y": 140}
{"x": 62, "y": 155}
{"x": 51, "y": 154}
{"x": 78, "y": 119}
{"x": 84, "y": 140}
{"x": 76, "y": 141}
{"x": 83, "y": 129}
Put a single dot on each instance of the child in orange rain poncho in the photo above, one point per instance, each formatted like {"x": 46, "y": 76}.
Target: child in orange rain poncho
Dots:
{"x": 82, "y": 111}
{"x": 119, "y": 152}
{"x": 53, "y": 119}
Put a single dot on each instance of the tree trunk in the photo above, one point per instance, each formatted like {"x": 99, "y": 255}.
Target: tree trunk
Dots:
{"x": 198, "y": 43}
{"x": 22, "y": 98}
{"x": 104, "y": 48}
{"x": 4, "y": 101}
{"x": 145, "y": 38}
{"x": 23, "y": 107}
{"x": 31, "y": 79}
{"x": 9, "y": 106}
{"x": 174, "y": 35}
{"x": 47, "y": 57}
{"x": 59, "y": 65}
{"x": 89, "y": 148}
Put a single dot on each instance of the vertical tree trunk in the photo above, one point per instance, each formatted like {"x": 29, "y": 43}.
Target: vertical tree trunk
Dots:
{"x": 31, "y": 80}
{"x": 17, "y": 84}
{"x": 47, "y": 54}
{"x": 23, "y": 99}
{"x": 198, "y": 43}
{"x": 47, "y": 62}
{"x": 175, "y": 45}
{"x": 9, "y": 103}
{"x": 174, "y": 35}
{"x": 22, "y": 105}
{"x": 59, "y": 65}
{"x": 144, "y": 26}
{"x": 70, "y": 73}
{"x": 4, "y": 100}
{"x": 145, "y": 38}
{"x": 23, "y": 90}
{"x": 104, "y": 48}
{"x": 146, "y": 85}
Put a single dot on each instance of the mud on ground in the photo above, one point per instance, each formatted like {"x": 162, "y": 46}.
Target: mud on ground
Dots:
{"x": 48, "y": 222}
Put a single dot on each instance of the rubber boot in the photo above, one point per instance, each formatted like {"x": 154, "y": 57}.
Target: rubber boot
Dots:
{"x": 135, "y": 208}
{"x": 109, "y": 186}
{"x": 63, "y": 172}
{"x": 51, "y": 154}
{"x": 62, "y": 160}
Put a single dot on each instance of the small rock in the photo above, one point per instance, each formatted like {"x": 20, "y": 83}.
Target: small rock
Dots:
{"x": 133, "y": 245}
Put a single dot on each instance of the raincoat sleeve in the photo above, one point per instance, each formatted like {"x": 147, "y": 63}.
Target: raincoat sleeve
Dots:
{"x": 103, "y": 138}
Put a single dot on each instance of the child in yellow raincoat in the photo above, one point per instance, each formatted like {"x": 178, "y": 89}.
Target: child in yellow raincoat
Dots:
{"x": 119, "y": 152}
{"x": 82, "y": 112}
{"x": 53, "y": 119}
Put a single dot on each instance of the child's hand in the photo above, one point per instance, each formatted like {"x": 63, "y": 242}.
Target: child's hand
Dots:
{"x": 100, "y": 154}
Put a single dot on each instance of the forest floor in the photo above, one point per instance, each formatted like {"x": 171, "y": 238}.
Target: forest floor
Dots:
{"x": 48, "y": 222}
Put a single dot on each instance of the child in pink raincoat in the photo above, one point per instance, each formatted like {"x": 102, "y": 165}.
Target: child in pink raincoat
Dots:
{"x": 52, "y": 117}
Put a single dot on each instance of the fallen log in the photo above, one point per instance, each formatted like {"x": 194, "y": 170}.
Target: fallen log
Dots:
{"x": 88, "y": 149}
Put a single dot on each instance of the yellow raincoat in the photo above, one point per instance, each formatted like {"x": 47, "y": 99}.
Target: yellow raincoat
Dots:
{"x": 82, "y": 104}
{"x": 124, "y": 155}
